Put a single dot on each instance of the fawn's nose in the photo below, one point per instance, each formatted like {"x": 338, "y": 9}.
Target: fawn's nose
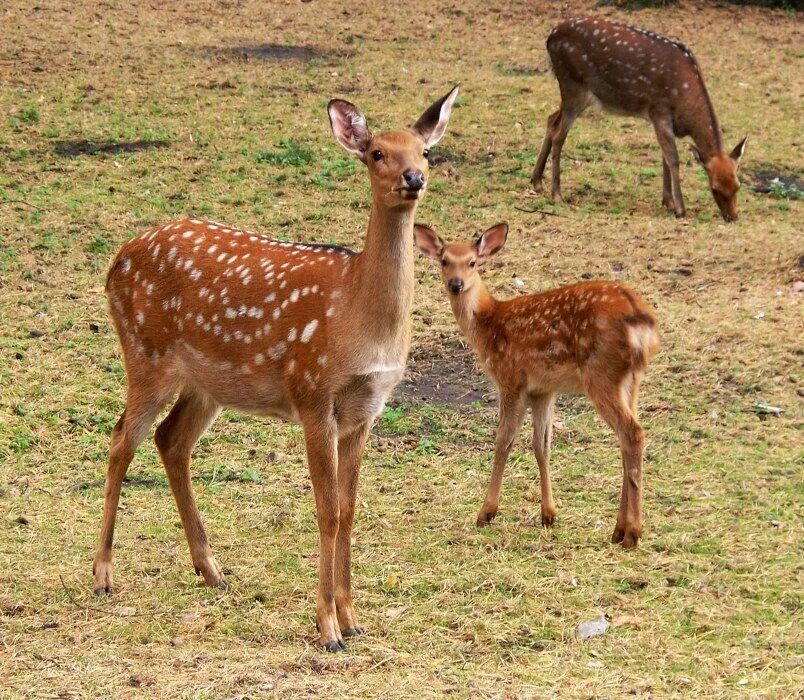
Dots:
{"x": 455, "y": 286}
{"x": 414, "y": 179}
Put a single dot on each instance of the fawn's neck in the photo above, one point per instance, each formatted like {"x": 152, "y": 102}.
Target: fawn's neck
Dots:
{"x": 470, "y": 308}
{"x": 382, "y": 285}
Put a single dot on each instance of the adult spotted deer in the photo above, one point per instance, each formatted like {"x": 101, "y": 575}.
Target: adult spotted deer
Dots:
{"x": 311, "y": 333}
{"x": 637, "y": 72}
{"x": 594, "y": 338}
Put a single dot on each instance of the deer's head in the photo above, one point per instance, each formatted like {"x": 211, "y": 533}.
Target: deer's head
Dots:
{"x": 723, "y": 181}
{"x": 396, "y": 160}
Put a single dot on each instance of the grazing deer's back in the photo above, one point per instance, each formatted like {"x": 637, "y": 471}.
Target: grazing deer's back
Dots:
{"x": 625, "y": 68}
{"x": 220, "y": 303}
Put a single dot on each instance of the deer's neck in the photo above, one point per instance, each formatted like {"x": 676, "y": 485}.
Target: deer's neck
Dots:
{"x": 470, "y": 308}
{"x": 704, "y": 127}
{"x": 382, "y": 286}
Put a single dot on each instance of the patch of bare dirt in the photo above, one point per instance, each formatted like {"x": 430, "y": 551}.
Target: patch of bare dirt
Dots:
{"x": 444, "y": 373}
{"x": 82, "y": 147}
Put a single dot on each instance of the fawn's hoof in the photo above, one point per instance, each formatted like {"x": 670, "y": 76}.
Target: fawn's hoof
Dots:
{"x": 627, "y": 537}
{"x": 548, "y": 518}
{"x": 485, "y": 518}
{"x": 103, "y": 590}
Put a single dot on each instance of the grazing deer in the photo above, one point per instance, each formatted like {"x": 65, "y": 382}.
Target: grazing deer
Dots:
{"x": 594, "y": 338}
{"x": 312, "y": 333}
{"x": 636, "y": 72}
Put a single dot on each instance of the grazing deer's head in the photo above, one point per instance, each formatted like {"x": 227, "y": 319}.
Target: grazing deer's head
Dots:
{"x": 396, "y": 160}
{"x": 459, "y": 261}
{"x": 723, "y": 180}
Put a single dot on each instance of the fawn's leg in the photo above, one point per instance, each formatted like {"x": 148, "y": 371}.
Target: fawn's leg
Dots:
{"x": 612, "y": 403}
{"x": 142, "y": 406}
{"x": 542, "y": 410}
{"x": 544, "y": 153}
{"x": 175, "y": 438}
{"x": 350, "y": 455}
{"x": 663, "y": 126}
{"x": 512, "y": 412}
{"x": 321, "y": 439}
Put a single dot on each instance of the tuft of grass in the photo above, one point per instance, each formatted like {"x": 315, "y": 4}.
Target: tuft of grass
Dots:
{"x": 291, "y": 152}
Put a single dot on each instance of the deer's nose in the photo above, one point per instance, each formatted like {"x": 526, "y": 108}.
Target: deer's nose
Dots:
{"x": 414, "y": 179}
{"x": 455, "y": 286}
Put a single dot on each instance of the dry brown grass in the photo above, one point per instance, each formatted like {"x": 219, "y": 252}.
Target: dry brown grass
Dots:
{"x": 708, "y": 606}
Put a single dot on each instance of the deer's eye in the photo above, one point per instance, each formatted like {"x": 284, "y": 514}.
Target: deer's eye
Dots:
{"x": 377, "y": 155}
{"x": 443, "y": 263}
{"x": 472, "y": 264}
{"x": 426, "y": 153}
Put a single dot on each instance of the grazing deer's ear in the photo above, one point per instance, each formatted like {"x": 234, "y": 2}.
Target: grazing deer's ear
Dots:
{"x": 349, "y": 126}
{"x": 433, "y": 123}
{"x": 428, "y": 241}
{"x": 698, "y": 156}
{"x": 492, "y": 241}
{"x": 739, "y": 150}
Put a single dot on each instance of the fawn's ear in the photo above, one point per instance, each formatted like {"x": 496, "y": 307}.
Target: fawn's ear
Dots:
{"x": 698, "y": 156}
{"x": 433, "y": 123}
{"x": 739, "y": 150}
{"x": 428, "y": 241}
{"x": 492, "y": 241}
{"x": 349, "y": 126}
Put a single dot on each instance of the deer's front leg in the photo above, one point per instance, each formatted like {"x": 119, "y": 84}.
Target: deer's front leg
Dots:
{"x": 350, "y": 455}
{"x": 663, "y": 127}
{"x": 321, "y": 439}
{"x": 512, "y": 411}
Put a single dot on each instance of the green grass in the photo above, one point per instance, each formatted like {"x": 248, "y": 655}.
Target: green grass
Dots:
{"x": 708, "y": 606}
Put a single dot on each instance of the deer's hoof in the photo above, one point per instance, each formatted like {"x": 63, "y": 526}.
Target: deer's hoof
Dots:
{"x": 335, "y": 646}
{"x": 626, "y": 536}
{"x": 548, "y": 518}
{"x": 352, "y": 632}
{"x": 485, "y": 518}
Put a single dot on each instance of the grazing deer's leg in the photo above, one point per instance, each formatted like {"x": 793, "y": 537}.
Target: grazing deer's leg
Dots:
{"x": 175, "y": 438}
{"x": 542, "y": 410}
{"x": 667, "y": 142}
{"x": 350, "y": 455}
{"x": 141, "y": 410}
{"x": 613, "y": 405}
{"x": 321, "y": 439}
{"x": 570, "y": 110}
{"x": 544, "y": 153}
{"x": 667, "y": 187}
{"x": 512, "y": 412}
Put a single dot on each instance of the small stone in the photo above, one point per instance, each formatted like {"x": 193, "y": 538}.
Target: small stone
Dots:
{"x": 36, "y": 333}
{"x": 94, "y": 327}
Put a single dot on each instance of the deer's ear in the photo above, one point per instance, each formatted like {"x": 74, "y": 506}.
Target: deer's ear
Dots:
{"x": 433, "y": 123}
{"x": 739, "y": 150}
{"x": 349, "y": 126}
{"x": 698, "y": 156}
{"x": 427, "y": 241}
{"x": 492, "y": 241}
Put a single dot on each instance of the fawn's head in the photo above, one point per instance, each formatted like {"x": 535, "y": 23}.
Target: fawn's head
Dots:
{"x": 396, "y": 160}
{"x": 723, "y": 180}
{"x": 460, "y": 261}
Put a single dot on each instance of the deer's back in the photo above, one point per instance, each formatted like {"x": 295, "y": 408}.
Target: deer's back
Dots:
{"x": 246, "y": 317}
{"x": 626, "y": 69}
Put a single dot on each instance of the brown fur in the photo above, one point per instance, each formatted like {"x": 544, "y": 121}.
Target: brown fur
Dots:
{"x": 637, "y": 72}
{"x": 314, "y": 334}
{"x": 592, "y": 338}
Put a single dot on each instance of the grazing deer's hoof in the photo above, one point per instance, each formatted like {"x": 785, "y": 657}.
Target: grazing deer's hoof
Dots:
{"x": 335, "y": 646}
{"x": 548, "y": 517}
{"x": 352, "y": 632}
{"x": 558, "y": 198}
{"x": 485, "y": 517}
{"x": 103, "y": 578}
{"x": 212, "y": 572}
{"x": 536, "y": 185}
{"x": 626, "y": 536}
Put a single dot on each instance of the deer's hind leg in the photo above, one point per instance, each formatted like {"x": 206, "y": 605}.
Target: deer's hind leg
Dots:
{"x": 574, "y": 100}
{"x": 175, "y": 437}
{"x": 147, "y": 396}
{"x": 614, "y": 402}
{"x": 542, "y": 409}
{"x": 544, "y": 153}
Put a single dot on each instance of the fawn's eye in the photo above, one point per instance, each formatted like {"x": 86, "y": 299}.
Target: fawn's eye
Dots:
{"x": 472, "y": 264}
{"x": 443, "y": 263}
{"x": 377, "y": 155}
{"x": 426, "y": 153}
